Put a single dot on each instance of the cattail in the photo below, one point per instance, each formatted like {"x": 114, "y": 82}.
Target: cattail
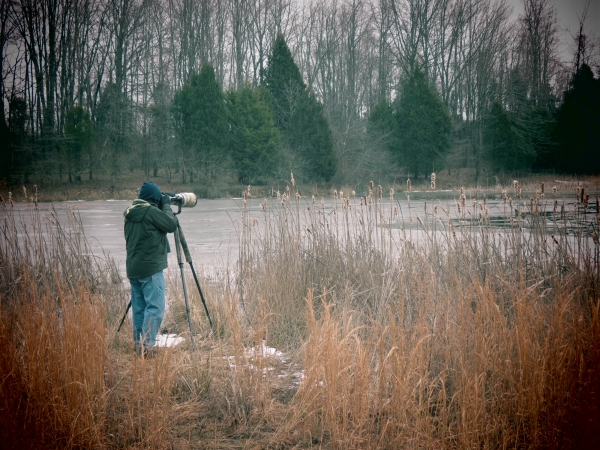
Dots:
{"x": 516, "y": 185}
{"x": 554, "y": 189}
{"x": 354, "y": 195}
{"x": 278, "y": 196}
{"x": 435, "y": 210}
{"x": 335, "y": 194}
{"x": 287, "y": 190}
{"x": 595, "y": 237}
{"x": 341, "y": 194}
{"x": 323, "y": 202}
{"x": 293, "y": 181}
{"x": 25, "y": 192}
{"x": 264, "y": 205}
{"x": 504, "y": 197}
{"x": 10, "y": 200}
{"x": 578, "y": 190}
{"x": 297, "y": 197}
{"x": 463, "y": 197}
{"x": 582, "y": 198}
{"x": 408, "y": 185}
{"x": 392, "y": 194}
{"x": 313, "y": 199}
{"x": 425, "y": 207}
{"x": 586, "y": 201}
{"x": 433, "y": 181}
{"x": 562, "y": 210}
{"x": 395, "y": 210}
{"x": 380, "y": 192}
{"x": 597, "y": 205}
{"x": 2, "y": 200}
{"x": 371, "y": 186}
{"x": 254, "y": 222}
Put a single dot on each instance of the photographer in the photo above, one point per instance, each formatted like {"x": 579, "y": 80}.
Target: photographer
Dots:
{"x": 147, "y": 222}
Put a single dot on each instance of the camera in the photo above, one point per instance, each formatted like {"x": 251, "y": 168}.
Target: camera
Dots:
{"x": 182, "y": 200}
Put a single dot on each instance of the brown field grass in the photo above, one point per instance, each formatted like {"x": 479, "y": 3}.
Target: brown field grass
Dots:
{"x": 437, "y": 330}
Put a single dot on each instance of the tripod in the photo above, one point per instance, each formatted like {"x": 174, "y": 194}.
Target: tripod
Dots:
{"x": 181, "y": 245}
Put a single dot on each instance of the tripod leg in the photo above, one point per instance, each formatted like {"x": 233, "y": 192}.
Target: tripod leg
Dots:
{"x": 188, "y": 258}
{"x": 185, "y": 295}
{"x": 201, "y": 295}
{"x": 124, "y": 315}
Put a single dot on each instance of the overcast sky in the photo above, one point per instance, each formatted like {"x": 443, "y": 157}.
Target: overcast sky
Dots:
{"x": 569, "y": 12}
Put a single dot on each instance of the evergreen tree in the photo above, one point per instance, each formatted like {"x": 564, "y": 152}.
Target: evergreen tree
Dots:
{"x": 311, "y": 137}
{"x": 299, "y": 116}
{"x": 507, "y": 146}
{"x": 578, "y": 125}
{"x": 78, "y": 133}
{"x": 284, "y": 81}
{"x": 200, "y": 121}
{"x": 382, "y": 128}
{"x": 254, "y": 140}
{"x": 424, "y": 126}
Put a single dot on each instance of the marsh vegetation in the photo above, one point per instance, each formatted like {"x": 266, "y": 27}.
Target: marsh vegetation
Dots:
{"x": 429, "y": 327}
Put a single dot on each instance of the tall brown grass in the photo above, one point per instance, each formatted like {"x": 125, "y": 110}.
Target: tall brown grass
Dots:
{"x": 448, "y": 327}
{"x": 404, "y": 325}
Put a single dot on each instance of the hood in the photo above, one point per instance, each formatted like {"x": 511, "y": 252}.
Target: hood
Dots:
{"x": 137, "y": 210}
{"x": 150, "y": 192}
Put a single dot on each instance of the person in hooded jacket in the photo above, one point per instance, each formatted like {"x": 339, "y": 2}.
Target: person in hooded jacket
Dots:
{"x": 147, "y": 222}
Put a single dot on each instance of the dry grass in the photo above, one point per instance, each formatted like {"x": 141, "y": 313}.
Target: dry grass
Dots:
{"x": 429, "y": 327}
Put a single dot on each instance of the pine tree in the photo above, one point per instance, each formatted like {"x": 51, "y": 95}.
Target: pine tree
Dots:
{"x": 284, "y": 82}
{"x": 382, "y": 129}
{"x": 578, "y": 125}
{"x": 424, "y": 126}
{"x": 310, "y": 136}
{"x": 306, "y": 134}
{"x": 200, "y": 121}
{"x": 255, "y": 142}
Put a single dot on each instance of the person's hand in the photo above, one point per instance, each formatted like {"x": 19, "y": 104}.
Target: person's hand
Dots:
{"x": 165, "y": 200}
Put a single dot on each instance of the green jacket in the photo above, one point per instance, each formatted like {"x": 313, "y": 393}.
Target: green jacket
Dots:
{"x": 146, "y": 229}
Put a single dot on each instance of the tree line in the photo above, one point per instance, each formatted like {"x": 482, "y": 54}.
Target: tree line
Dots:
{"x": 336, "y": 90}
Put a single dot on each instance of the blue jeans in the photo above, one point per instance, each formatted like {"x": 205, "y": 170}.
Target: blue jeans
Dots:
{"x": 148, "y": 307}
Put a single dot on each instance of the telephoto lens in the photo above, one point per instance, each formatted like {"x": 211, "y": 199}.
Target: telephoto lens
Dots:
{"x": 185, "y": 199}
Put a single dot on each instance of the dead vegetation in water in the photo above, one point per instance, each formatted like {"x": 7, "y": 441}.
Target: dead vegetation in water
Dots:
{"x": 397, "y": 329}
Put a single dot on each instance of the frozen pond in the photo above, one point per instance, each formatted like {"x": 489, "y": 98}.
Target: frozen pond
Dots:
{"x": 211, "y": 228}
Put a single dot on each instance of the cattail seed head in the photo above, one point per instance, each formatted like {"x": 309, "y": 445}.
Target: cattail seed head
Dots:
{"x": 293, "y": 181}
{"x": 504, "y": 197}
{"x": 433, "y": 181}
{"x": 392, "y": 194}
{"x": 323, "y": 202}
{"x": 408, "y": 185}
{"x": 313, "y": 199}
{"x": 380, "y": 192}
{"x": 371, "y": 186}
{"x": 354, "y": 195}
{"x": 264, "y": 205}
{"x": 341, "y": 194}
{"x": 554, "y": 189}
{"x": 335, "y": 194}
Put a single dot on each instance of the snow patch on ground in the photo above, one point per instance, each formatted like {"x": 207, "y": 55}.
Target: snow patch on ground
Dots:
{"x": 168, "y": 340}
